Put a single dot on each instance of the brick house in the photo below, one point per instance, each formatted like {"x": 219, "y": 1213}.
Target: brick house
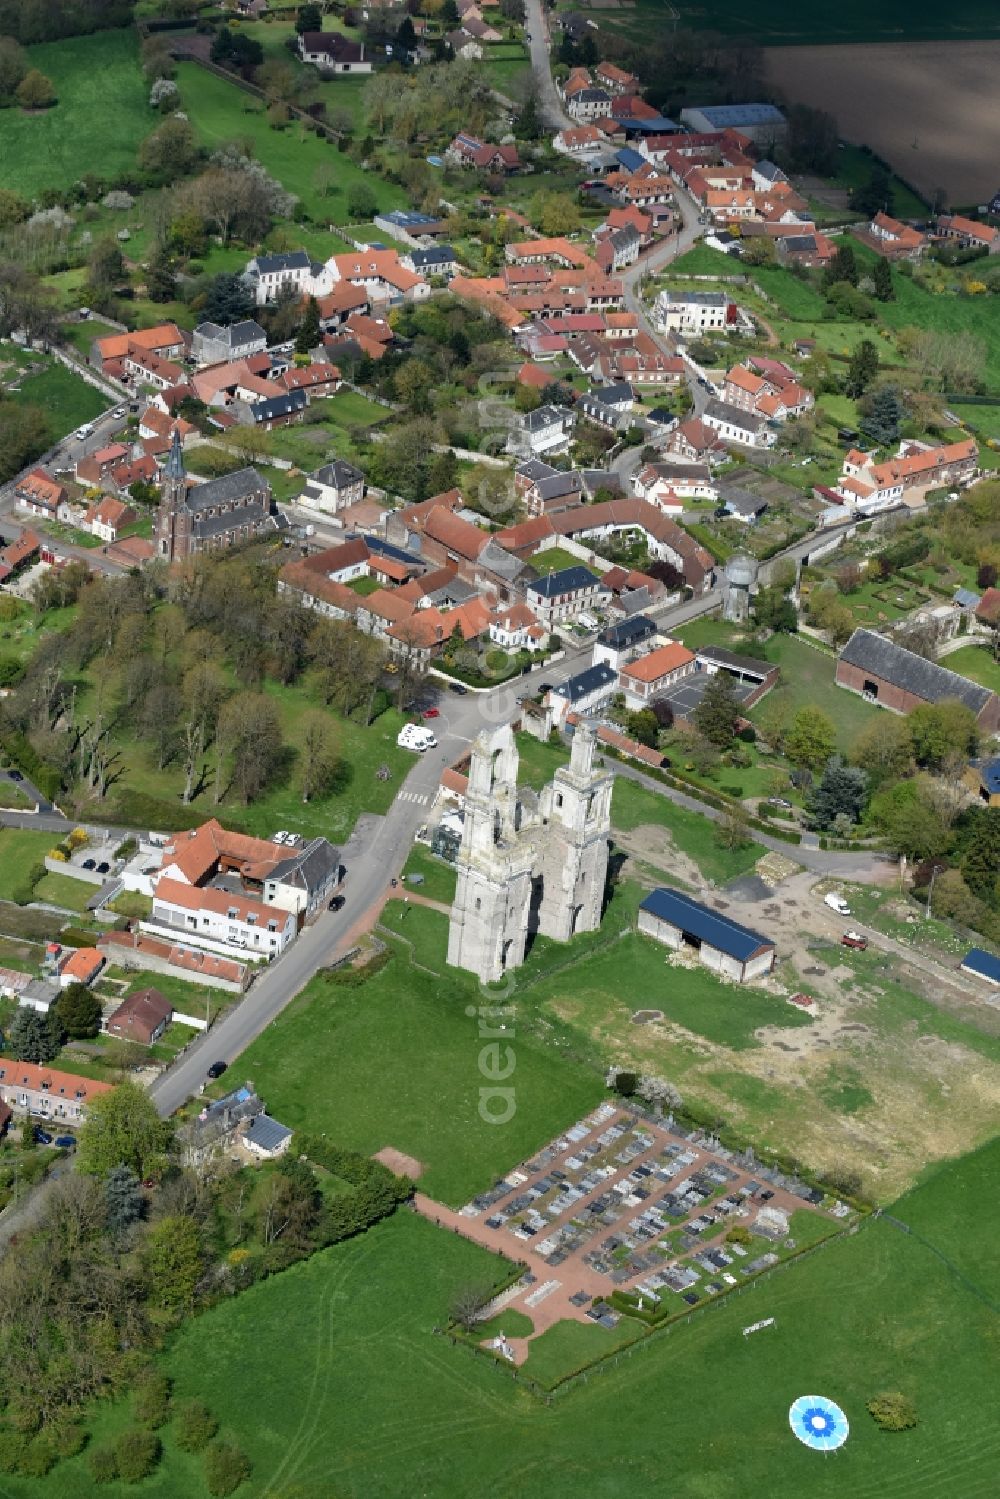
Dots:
{"x": 895, "y": 678}
{"x": 649, "y": 676}
{"x": 30, "y": 1089}
{"x": 142, "y": 1016}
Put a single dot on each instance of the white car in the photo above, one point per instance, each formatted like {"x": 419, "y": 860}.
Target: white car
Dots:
{"x": 84, "y": 431}
{"x": 281, "y": 837}
{"x": 837, "y": 903}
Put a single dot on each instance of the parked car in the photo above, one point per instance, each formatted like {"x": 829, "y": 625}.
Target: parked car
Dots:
{"x": 103, "y": 868}
{"x": 281, "y": 837}
{"x": 89, "y": 864}
{"x": 217, "y": 1069}
{"x": 854, "y": 939}
{"x": 66, "y": 1142}
{"x": 458, "y": 687}
{"x": 15, "y": 775}
{"x": 336, "y": 904}
{"x": 837, "y": 903}
{"x": 779, "y": 801}
{"x": 42, "y": 1136}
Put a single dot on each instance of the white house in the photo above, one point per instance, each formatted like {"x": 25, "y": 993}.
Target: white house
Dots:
{"x": 334, "y": 487}
{"x": 218, "y": 918}
{"x": 742, "y": 427}
{"x": 566, "y": 594}
{"x": 693, "y": 312}
{"x": 518, "y": 629}
{"x": 332, "y": 52}
{"x": 547, "y": 429}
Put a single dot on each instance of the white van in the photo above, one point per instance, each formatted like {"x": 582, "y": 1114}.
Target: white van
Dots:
{"x": 84, "y": 431}
{"x": 837, "y": 903}
{"x": 414, "y": 736}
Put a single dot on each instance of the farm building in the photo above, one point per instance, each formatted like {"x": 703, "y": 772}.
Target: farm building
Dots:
{"x": 983, "y": 965}
{"x": 729, "y": 949}
{"x": 898, "y": 679}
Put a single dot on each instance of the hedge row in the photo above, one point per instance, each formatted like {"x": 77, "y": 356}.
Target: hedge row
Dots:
{"x": 679, "y": 782}
{"x": 378, "y": 1191}
{"x": 19, "y": 749}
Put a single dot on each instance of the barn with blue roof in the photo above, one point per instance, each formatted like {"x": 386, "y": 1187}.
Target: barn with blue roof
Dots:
{"x": 984, "y": 965}
{"x": 733, "y": 951}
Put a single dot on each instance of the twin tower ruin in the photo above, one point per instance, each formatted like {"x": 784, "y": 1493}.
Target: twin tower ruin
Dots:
{"x": 528, "y": 862}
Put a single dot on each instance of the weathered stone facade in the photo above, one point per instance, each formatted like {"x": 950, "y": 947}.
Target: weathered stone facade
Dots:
{"x": 528, "y": 863}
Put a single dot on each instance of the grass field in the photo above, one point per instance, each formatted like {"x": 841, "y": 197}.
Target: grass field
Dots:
{"x": 20, "y": 850}
{"x": 67, "y": 400}
{"x": 63, "y": 890}
{"x": 807, "y": 678}
{"x": 344, "y": 1344}
{"x": 395, "y": 1062}
{"x": 632, "y": 806}
{"x": 81, "y": 133}
{"x": 975, "y": 661}
{"x": 220, "y": 112}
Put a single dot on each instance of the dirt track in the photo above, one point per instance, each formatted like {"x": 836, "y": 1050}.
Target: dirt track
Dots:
{"x": 928, "y": 107}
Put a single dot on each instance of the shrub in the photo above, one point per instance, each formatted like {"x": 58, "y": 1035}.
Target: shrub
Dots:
{"x": 738, "y": 1234}
{"x": 151, "y": 1400}
{"x": 137, "y": 1453}
{"x": 893, "y": 1411}
{"x": 69, "y": 1439}
{"x": 57, "y": 855}
{"x": 226, "y": 1467}
{"x": 40, "y": 1457}
{"x": 103, "y": 1464}
{"x": 78, "y": 838}
{"x": 194, "y": 1426}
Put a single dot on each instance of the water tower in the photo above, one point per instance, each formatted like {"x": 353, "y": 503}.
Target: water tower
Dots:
{"x": 738, "y": 583}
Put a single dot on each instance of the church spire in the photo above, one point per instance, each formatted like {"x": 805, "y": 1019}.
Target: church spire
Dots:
{"x": 175, "y": 460}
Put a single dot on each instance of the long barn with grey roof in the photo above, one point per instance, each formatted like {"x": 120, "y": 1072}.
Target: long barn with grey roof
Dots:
{"x": 900, "y": 680}
{"x": 731, "y": 950}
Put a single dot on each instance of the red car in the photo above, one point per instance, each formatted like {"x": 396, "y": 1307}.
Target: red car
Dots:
{"x": 854, "y": 939}
{"x": 432, "y": 713}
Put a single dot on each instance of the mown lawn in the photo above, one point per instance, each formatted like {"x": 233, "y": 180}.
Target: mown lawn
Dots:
{"x": 975, "y": 661}
{"x": 398, "y": 1060}
{"x": 63, "y": 890}
{"x": 807, "y": 679}
{"x": 555, "y": 559}
{"x": 438, "y": 877}
{"x": 219, "y": 111}
{"x": 345, "y": 1343}
{"x": 633, "y": 806}
{"x": 67, "y": 400}
{"x": 20, "y": 850}
{"x": 101, "y": 114}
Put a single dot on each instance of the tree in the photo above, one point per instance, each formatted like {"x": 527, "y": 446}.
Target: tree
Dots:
{"x": 811, "y": 739}
{"x": 309, "y": 334}
{"x": 35, "y": 91}
{"x": 940, "y": 730}
{"x": 170, "y": 151}
{"x": 882, "y": 277}
{"x": 226, "y": 1467}
{"x": 466, "y": 1305}
{"x": 106, "y": 267}
{"x": 912, "y": 829}
{"x": 716, "y": 715}
{"x": 13, "y": 208}
{"x": 841, "y": 792}
{"x": 873, "y": 196}
{"x": 161, "y": 283}
{"x": 812, "y": 140}
{"x": 250, "y": 731}
{"x": 774, "y": 610}
{"x": 361, "y": 201}
{"x": 228, "y": 299}
{"x": 317, "y": 755}
{"x": 554, "y": 213}
{"x": 235, "y": 49}
{"x": 124, "y": 1199}
{"x": 981, "y": 860}
{"x": 885, "y": 747}
{"x": 643, "y": 726}
{"x": 13, "y": 66}
{"x": 137, "y": 1453}
{"x": 194, "y": 1426}
{"x": 884, "y": 415}
{"x": 123, "y": 1128}
{"x": 33, "y": 1037}
{"x": 733, "y": 829}
{"x": 862, "y": 369}
{"x": 842, "y": 267}
{"x": 79, "y": 1012}
{"x": 173, "y": 1256}
{"x": 309, "y": 18}
{"x": 892, "y": 1411}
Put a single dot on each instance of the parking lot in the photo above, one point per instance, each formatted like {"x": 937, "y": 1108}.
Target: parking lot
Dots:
{"x": 623, "y": 1201}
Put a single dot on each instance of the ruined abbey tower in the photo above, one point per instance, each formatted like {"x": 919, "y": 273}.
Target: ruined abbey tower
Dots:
{"x": 528, "y": 863}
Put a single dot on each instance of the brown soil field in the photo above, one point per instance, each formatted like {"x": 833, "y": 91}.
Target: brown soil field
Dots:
{"x": 928, "y": 108}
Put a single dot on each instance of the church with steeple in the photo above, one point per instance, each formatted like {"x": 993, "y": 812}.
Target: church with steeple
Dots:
{"x": 196, "y": 518}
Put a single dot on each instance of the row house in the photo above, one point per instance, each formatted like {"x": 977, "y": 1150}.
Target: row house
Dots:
{"x": 220, "y": 918}
{"x": 917, "y": 467}
{"x": 606, "y": 520}
{"x": 669, "y": 485}
{"x": 165, "y": 340}
{"x": 564, "y": 595}
{"x": 746, "y": 428}
{"x": 40, "y": 494}
{"x": 616, "y": 248}
{"x": 968, "y": 234}
{"x": 28, "y": 1088}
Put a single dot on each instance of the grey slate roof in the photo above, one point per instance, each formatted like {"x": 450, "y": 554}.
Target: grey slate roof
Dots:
{"x": 586, "y": 682}
{"x": 338, "y": 474}
{"x": 546, "y": 416}
{"x": 566, "y": 580}
{"x": 910, "y": 672}
{"x": 627, "y": 632}
{"x": 534, "y": 469}
{"x": 739, "y": 942}
{"x": 267, "y": 410}
{"x": 742, "y": 501}
{"x": 558, "y": 484}
{"x": 717, "y": 655}
{"x": 226, "y": 488}
{"x": 424, "y": 260}
{"x": 289, "y": 260}
{"x": 266, "y": 1133}
{"x": 310, "y": 868}
{"x": 723, "y": 412}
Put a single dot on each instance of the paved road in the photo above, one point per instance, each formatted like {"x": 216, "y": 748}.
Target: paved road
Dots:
{"x": 549, "y": 103}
